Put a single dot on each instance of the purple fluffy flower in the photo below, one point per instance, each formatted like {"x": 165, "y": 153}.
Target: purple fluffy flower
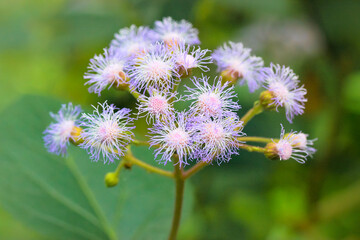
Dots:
{"x": 107, "y": 132}
{"x": 174, "y": 135}
{"x": 283, "y": 85}
{"x": 211, "y": 100}
{"x": 58, "y": 134}
{"x": 286, "y": 148}
{"x": 133, "y": 41}
{"x": 172, "y": 32}
{"x": 218, "y": 138}
{"x": 158, "y": 105}
{"x": 191, "y": 57}
{"x": 106, "y": 70}
{"x": 235, "y": 61}
{"x": 156, "y": 69}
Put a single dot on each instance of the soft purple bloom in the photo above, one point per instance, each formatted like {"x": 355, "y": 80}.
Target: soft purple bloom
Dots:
{"x": 172, "y": 32}
{"x": 107, "y": 132}
{"x": 174, "y": 135}
{"x": 188, "y": 57}
{"x": 282, "y": 82}
{"x": 158, "y": 105}
{"x": 211, "y": 100}
{"x": 237, "y": 61}
{"x": 156, "y": 69}
{"x": 106, "y": 70}
{"x": 133, "y": 41}
{"x": 301, "y": 141}
{"x": 58, "y": 134}
{"x": 218, "y": 138}
{"x": 285, "y": 147}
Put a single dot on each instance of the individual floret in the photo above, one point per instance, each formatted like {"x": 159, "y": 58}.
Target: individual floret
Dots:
{"x": 218, "y": 138}
{"x": 156, "y": 69}
{"x": 283, "y": 87}
{"x": 158, "y": 105}
{"x": 174, "y": 135}
{"x": 286, "y": 148}
{"x": 106, "y": 70}
{"x": 172, "y": 32}
{"x": 188, "y": 57}
{"x": 133, "y": 41}
{"x": 235, "y": 62}
{"x": 211, "y": 100}
{"x": 58, "y": 134}
{"x": 107, "y": 132}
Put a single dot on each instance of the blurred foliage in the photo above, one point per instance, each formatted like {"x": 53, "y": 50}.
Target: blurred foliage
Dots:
{"x": 45, "y": 47}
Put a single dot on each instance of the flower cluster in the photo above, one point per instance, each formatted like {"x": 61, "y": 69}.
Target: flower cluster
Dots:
{"x": 151, "y": 64}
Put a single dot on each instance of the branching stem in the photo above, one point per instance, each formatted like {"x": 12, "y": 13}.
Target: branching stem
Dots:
{"x": 255, "y": 110}
{"x": 133, "y": 160}
{"x": 179, "y": 196}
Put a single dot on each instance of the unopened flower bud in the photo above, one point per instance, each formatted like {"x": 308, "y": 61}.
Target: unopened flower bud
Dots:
{"x": 75, "y": 136}
{"x": 111, "y": 179}
{"x": 229, "y": 77}
{"x": 267, "y": 100}
{"x": 271, "y": 151}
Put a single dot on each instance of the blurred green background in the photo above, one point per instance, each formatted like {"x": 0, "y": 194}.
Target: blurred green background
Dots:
{"x": 45, "y": 47}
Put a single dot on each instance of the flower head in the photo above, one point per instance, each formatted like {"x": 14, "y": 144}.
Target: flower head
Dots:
{"x": 235, "y": 61}
{"x": 172, "y": 32}
{"x": 282, "y": 83}
{"x": 156, "y": 69}
{"x": 107, "y": 132}
{"x": 58, "y": 134}
{"x": 188, "y": 57}
{"x": 173, "y": 135}
{"x": 287, "y": 148}
{"x": 157, "y": 105}
{"x": 106, "y": 70}
{"x": 133, "y": 41}
{"x": 218, "y": 138}
{"x": 211, "y": 100}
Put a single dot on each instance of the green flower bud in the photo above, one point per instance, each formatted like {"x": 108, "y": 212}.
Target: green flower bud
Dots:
{"x": 267, "y": 100}
{"x": 111, "y": 179}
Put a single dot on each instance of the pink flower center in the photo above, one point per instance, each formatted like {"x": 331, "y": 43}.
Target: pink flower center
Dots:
{"x": 213, "y": 132}
{"x": 210, "y": 103}
{"x": 178, "y": 138}
{"x": 280, "y": 91}
{"x": 113, "y": 72}
{"x": 284, "y": 149}
{"x": 158, "y": 70}
{"x": 157, "y": 105}
{"x": 109, "y": 131}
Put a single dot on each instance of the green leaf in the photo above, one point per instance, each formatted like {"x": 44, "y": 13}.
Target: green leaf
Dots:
{"x": 67, "y": 198}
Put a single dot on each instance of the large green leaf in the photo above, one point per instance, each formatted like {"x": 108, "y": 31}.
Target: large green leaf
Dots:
{"x": 67, "y": 198}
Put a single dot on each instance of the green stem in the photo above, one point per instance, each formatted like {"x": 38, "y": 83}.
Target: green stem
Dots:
{"x": 256, "y": 139}
{"x": 119, "y": 167}
{"x": 194, "y": 169}
{"x": 252, "y": 148}
{"x": 130, "y": 158}
{"x": 179, "y": 195}
{"x": 255, "y": 110}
